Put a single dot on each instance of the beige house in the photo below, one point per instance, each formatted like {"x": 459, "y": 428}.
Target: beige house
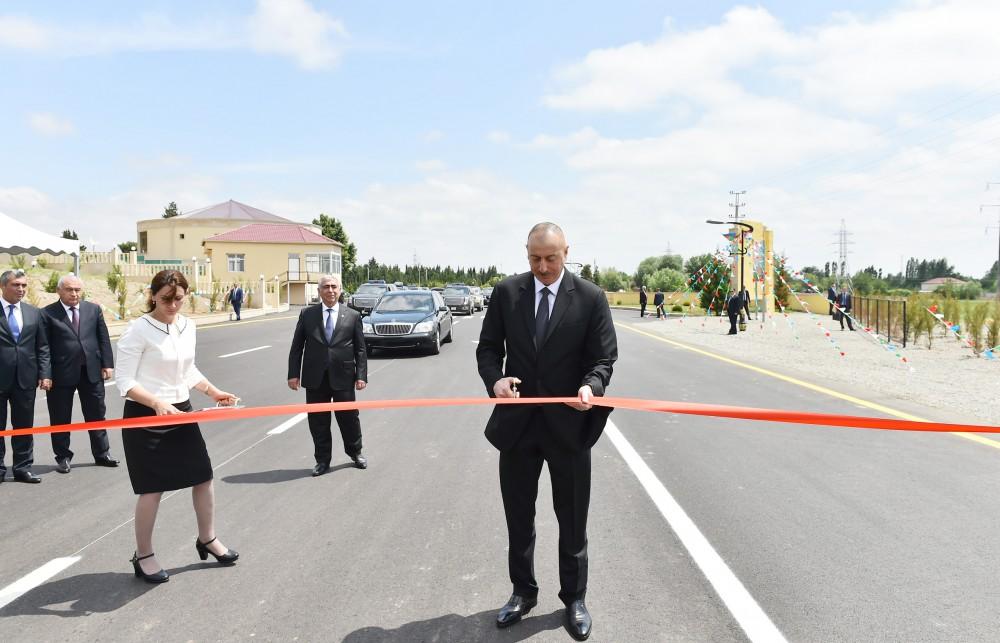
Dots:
{"x": 288, "y": 259}
{"x": 933, "y": 284}
{"x": 179, "y": 238}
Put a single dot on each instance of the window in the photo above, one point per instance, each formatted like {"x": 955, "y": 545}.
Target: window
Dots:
{"x": 142, "y": 242}
{"x": 236, "y": 263}
{"x": 181, "y": 235}
{"x": 323, "y": 264}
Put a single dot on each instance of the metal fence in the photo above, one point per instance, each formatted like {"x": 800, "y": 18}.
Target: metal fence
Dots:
{"x": 884, "y": 316}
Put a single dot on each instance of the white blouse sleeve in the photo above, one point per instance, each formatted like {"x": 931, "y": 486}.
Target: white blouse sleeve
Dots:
{"x": 192, "y": 375}
{"x": 130, "y": 347}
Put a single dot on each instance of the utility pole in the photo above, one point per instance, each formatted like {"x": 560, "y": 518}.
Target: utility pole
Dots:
{"x": 998, "y": 236}
{"x": 843, "y": 241}
{"x": 735, "y": 216}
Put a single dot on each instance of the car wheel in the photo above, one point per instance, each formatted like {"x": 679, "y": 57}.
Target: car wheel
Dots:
{"x": 436, "y": 346}
{"x": 451, "y": 335}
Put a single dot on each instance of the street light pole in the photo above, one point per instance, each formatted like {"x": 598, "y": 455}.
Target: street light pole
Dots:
{"x": 742, "y": 253}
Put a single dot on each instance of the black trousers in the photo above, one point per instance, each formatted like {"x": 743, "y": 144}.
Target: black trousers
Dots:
{"x": 520, "y": 468}
{"x": 22, "y": 416}
{"x": 733, "y": 317}
{"x": 843, "y": 317}
{"x": 319, "y": 423}
{"x": 642, "y": 309}
{"x": 60, "y": 403}
{"x": 236, "y": 308}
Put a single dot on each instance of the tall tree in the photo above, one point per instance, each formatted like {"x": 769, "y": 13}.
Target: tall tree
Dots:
{"x": 171, "y": 211}
{"x": 587, "y": 273}
{"x": 332, "y": 228}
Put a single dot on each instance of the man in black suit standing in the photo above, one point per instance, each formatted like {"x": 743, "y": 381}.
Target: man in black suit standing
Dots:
{"x": 845, "y": 304}
{"x": 24, "y": 365}
{"x": 556, "y": 333}
{"x": 82, "y": 360}
{"x": 236, "y": 299}
{"x": 831, "y": 296}
{"x": 643, "y": 298}
{"x": 328, "y": 350}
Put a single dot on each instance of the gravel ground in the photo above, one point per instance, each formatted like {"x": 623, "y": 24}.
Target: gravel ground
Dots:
{"x": 948, "y": 376}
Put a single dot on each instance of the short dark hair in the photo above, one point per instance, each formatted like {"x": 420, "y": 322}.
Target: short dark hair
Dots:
{"x": 11, "y": 274}
{"x": 164, "y": 278}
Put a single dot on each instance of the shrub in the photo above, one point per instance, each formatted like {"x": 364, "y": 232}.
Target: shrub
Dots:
{"x": 213, "y": 300}
{"x": 52, "y": 284}
{"x": 975, "y": 319}
{"x": 677, "y": 308}
{"x": 42, "y": 262}
{"x": 114, "y": 278}
{"x": 19, "y": 262}
{"x": 993, "y": 326}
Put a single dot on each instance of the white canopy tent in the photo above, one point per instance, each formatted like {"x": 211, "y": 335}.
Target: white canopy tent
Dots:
{"x": 19, "y": 238}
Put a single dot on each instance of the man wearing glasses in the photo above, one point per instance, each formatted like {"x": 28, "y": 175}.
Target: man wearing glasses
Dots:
{"x": 24, "y": 365}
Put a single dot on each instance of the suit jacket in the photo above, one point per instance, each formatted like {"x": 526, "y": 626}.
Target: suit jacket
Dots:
{"x": 657, "y": 298}
{"x": 831, "y": 294}
{"x": 844, "y": 300}
{"x": 70, "y": 352}
{"x": 344, "y": 360}
{"x": 26, "y": 361}
{"x": 642, "y": 297}
{"x": 580, "y": 347}
{"x": 236, "y": 296}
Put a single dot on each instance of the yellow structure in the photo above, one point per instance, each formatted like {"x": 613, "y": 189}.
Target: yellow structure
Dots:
{"x": 756, "y": 263}
{"x": 283, "y": 259}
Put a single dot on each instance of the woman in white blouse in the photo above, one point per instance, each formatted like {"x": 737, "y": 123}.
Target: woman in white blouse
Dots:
{"x": 155, "y": 371}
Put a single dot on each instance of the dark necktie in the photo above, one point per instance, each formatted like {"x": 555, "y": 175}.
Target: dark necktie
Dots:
{"x": 74, "y": 319}
{"x": 329, "y": 325}
{"x": 15, "y": 330}
{"x": 542, "y": 317}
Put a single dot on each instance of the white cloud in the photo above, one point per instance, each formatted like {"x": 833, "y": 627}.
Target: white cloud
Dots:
{"x": 292, "y": 28}
{"x": 432, "y": 136}
{"x": 498, "y": 136}
{"x": 50, "y": 125}
{"x": 295, "y": 28}
{"x": 23, "y": 201}
{"x": 431, "y": 165}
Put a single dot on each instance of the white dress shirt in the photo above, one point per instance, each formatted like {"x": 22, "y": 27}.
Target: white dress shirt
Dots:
{"x": 553, "y": 289}
{"x": 158, "y": 357}
{"x": 17, "y": 312}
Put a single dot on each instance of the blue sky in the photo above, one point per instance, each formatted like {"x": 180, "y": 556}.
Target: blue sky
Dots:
{"x": 447, "y": 129}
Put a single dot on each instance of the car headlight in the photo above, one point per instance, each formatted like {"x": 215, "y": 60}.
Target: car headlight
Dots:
{"x": 465, "y": 300}
{"x": 424, "y": 327}
{"x": 368, "y": 329}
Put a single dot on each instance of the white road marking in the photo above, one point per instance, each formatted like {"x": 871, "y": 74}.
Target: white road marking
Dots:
{"x": 287, "y": 424}
{"x": 26, "y": 583}
{"x": 474, "y": 341}
{"x": 249, "y": 350}
{"x": 755, "y": 623}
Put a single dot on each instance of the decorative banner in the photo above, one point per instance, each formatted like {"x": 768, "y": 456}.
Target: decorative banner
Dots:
{"x": 952, "y": 328}
{"x": 812, "y": 315}
{"x": 888, "y": 345}
{"x": 655, "y": 406}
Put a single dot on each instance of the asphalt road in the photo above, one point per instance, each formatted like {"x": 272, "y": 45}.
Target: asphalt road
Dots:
{"x": 701, "y": 529}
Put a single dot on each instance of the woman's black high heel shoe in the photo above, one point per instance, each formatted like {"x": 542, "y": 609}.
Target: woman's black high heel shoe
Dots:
{"x": 156, "y": 577}
{"x": 228, "y": 558}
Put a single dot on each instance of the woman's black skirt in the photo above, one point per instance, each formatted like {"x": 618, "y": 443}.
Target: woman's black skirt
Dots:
{"x": 164, "y": 460}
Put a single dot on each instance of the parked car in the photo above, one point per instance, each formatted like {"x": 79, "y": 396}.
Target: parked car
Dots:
{"x": 459, "y": 298}
{"x": 477, "y": 297}
{"x": 367, "y": 295}
{"x": 487, "y": 293}
{"x": 438, "y": 289}
{"x": 408, "y": 319}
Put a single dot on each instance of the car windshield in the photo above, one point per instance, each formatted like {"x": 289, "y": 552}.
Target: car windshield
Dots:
{"x": 456, "y": 292}
{"x": 406, "y": 303}
{"x": 370, "y": 289}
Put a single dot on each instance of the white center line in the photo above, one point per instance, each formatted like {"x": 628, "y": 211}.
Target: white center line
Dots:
{"x": 249, "y": 350}
{"x": 755, "y": 623}
{"x": 29, "y": 582}
{"x": 287, "y": 424}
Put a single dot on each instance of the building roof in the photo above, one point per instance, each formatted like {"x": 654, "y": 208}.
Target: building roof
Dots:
{"x": 274, "y": 233}
{"x": 233, "y": 210}
{"x": 943, "y": 280}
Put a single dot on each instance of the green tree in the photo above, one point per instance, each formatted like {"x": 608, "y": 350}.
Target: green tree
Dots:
{"x": 649, "y": 265}
{"x": 587, "y": 273}
{"x": 332, "y": 228}
{"x": 712, "y": 284}
{"x": 171, "y": 211}
{"x": 696, "y": 263}
{"x": 782, "y": 293}
{"x": 126, "y": 246}
{"x": 71, "y": 234}
{"x": 667, "y": 280}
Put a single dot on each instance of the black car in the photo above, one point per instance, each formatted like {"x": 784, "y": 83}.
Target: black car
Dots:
{"x": 487, "y": 293}
{"x": 368, "y": 294}
{"x": 408, "y": 319}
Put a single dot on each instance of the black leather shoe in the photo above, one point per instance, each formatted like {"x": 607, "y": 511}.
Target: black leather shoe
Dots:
{"x": 106, "y": 461}
{"x": 62, "y": 466}
{"x": 228, "y": 558}
{"x": 26, "y": 476}
{"x": 578, "y": 621}
{"x": 320, "y": 468}
{"x": 155, "y": 578}
{"x": 515, "y": 608}
{"x": 360, "y": 461}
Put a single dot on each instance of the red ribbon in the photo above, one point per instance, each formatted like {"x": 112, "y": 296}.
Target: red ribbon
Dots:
{"x": 657, "y": 406}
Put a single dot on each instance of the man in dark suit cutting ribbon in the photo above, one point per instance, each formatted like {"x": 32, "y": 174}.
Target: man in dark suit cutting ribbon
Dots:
{"x": 556, "y": 334}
